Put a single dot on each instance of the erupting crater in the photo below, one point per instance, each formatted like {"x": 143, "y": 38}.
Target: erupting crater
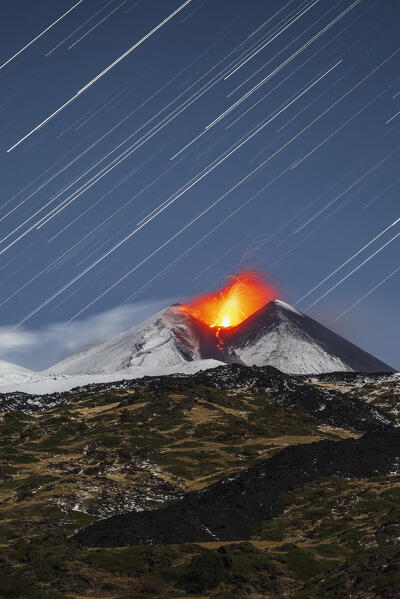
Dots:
{"x": 243, "y": 295}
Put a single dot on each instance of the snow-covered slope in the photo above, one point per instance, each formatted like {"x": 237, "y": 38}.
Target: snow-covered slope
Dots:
{"x": 14, "y": 374}
{"x": 163, "y": 340}
{"x": 280, "y": 336}
{"x": 167, "y": 343}
{"x": 277, "y": 335}
{"x": 174, "y": 342}
{"x": 41, "y": 384}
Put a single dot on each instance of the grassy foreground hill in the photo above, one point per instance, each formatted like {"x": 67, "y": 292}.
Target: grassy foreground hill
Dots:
{"x": 114, "y": 449}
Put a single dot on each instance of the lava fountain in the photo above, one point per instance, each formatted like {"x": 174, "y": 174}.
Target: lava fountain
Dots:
{"x": 243, "y": 294}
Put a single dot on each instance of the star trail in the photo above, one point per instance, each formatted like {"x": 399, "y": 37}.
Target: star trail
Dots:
{"x": 148, "y": 149}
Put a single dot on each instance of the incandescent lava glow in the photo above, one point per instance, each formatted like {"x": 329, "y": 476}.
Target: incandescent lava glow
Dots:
{"x": 243, "y": 294}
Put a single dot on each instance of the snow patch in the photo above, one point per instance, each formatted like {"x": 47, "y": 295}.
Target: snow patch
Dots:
{"x": 41, "y": 384}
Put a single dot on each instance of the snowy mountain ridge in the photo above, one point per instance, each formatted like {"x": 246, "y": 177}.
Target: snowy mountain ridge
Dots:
{"x": 162, "y": 340}
{"x": 173, "y": 341}
{"x": 280, "y": 336}
{"x": 13, "y": 374}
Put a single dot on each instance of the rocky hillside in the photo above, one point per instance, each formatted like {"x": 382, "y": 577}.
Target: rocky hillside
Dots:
{"x": 208, "y": 448}
{"x": 233, "y": 508}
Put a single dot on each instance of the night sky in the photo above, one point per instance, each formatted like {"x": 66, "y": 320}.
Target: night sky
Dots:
{"x": 262, "y": 134}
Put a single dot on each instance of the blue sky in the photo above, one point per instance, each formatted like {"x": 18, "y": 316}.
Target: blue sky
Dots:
{"x": 303, "y": 93}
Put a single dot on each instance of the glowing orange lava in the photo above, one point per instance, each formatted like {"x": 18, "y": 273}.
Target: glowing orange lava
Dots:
{"x": 244, "y": 294}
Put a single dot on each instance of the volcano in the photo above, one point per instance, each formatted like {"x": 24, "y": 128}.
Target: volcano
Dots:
{"x": 275, "y": 335}
{"x": 280, "y": 336}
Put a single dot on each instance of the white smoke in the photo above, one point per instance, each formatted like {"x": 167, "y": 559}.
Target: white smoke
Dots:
{"x": 38, "y": 349}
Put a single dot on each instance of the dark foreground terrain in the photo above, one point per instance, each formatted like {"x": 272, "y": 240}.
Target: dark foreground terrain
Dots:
{"x": 236, "y": 482}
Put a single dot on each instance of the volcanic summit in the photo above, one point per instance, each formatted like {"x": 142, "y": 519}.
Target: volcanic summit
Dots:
{"x": 243, "y": 323}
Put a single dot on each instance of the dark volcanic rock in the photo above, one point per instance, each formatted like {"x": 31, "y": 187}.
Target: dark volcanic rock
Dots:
{"x": 332, "y": 407}
{"x": 233, "y": 508}
{"x": 232, "y": 376}
{"x": 30, "y": 404}
{"x": 352, "y": 378}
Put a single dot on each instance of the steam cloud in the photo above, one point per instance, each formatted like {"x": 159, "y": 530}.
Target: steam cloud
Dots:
{"x": 38, "y": 349}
